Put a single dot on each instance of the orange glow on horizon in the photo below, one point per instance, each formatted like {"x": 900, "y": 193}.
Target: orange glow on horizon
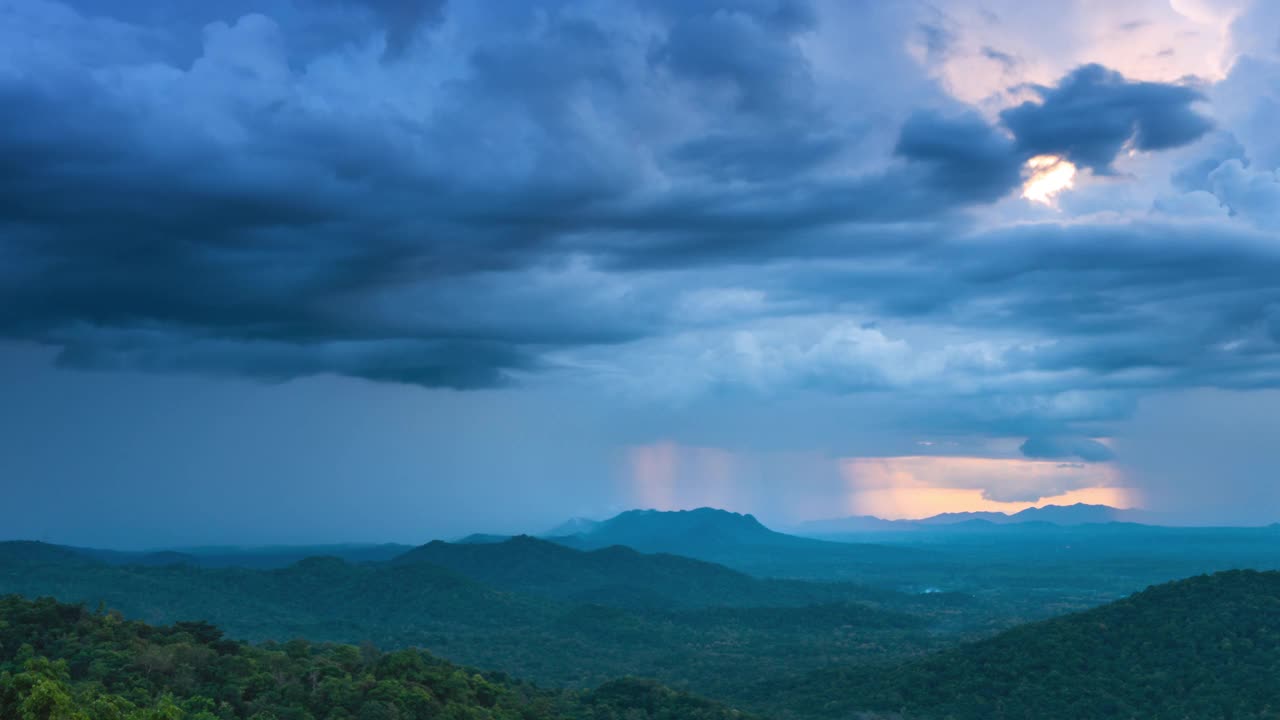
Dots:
{"x": 912, "y": 487}
{"x": 916, "y": 503}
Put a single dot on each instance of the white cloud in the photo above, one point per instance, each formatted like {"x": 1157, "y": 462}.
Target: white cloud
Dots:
{"x": 1253, "y": 195}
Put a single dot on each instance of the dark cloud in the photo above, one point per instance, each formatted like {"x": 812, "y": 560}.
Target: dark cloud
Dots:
{"x": 742, "y": 224}
{"x": 173, "y": 31}
{"x": 332, "y": 188}
{"x": 1062, "y": 448}
{"x": 753, "y": 157}
{"x": 1093, "y": 113}
{"x": 963, "y": 157}
{"x": 459, "y": 364}
{"x": 403, "y": 18}
{"x": 745, "y": 51}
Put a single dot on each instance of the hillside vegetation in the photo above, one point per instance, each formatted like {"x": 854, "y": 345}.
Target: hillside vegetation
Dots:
{"x": 1206, "y": 647}
{"x": 622, "y": 577}
{"x": 742, "y": 543}
{"x": 566, "y": 642}
{"x": 62, "y": 662}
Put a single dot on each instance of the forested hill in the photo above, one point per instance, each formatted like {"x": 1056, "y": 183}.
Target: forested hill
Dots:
{"x": 1206, "y": 647}
{"x": 743, "y": 543}
{"x": 62, "y": 662}
{"x": 622, "y": 577}
{"x": 709, "y": 650}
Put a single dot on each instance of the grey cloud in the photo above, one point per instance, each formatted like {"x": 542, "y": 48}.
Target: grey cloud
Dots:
{"x": 1221, "y": 146}
{"x": 172, "y": 30}
{"x": 1093, "y": 113}
{"x": 1254, "y": 195}
{"x": 744, "y": 49}
{"x": 937, "y": 40}
{"x": 255, "y": 226}
{"x": 402, "y": 18}
{"x": 459, "y": 364}
{"x": 1104, "y": 310}
{"x": 964, "y": 157}
{"x": 755, "y": 157}
{"x": 1061, "y": 448}
{"x": 287, "y": 199}
{"x": 1014, "y": 492}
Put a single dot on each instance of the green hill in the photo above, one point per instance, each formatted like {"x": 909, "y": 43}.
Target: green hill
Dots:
{"x": 568, "y": 642}
{"x": 1206, "y": 647}
{"x": 741, "y": 542}
{"x": 622, "y": 577}
{"x": 61, "y": 662}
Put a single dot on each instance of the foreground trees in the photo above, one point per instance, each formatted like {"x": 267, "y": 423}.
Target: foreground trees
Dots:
{"x": 62, "y": 662}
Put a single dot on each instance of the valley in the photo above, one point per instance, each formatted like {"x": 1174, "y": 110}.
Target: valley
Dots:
{"x": 577, "y": 612}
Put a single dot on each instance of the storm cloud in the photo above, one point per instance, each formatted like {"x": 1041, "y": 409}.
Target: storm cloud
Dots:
{"x": 656, "y": 202}
{"x": 1094, "y": 113}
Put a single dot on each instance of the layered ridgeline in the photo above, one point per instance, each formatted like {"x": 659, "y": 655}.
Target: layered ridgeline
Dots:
{"x": 516, "y": 607}
{"x": 1033, "y": 564}
{"x": 1061, "y": 515}
{"x": 620, "y": 576}
{"x": 741, "y": 542}
{"x": 62, "y": 662}
{"x": 262, "y": 557}
{"x": 1206, "y": 647}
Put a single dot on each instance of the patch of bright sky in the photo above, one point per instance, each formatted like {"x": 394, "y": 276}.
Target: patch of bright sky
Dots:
{"x": 796, "y": 487}
{"x": 1003, "y": 44}
{"x": 1048, "y": 176}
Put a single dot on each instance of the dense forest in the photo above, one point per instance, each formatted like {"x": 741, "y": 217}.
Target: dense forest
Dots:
{"x": 741, "y": 542}
{"x": 577, "y": 620}
{"x": 620, "y": 576}
{"x": 63, "y": 662}
{"x": 734, "y": 631}
{"x": 1205, "y": 647}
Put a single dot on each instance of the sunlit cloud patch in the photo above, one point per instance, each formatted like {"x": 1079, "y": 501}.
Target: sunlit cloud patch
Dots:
{"x": 1047, "y": 176}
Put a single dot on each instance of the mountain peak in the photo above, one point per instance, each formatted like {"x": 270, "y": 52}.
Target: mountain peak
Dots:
{"x": 1075, "y": 514}
{"x": 704, "y": 512}
{"x": 573, "y": 526}
{"x": 703, "y": 517}
{"x": 694, "y": 532}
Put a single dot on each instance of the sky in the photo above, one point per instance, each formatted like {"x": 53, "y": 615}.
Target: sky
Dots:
{"x": 278, "y": 271}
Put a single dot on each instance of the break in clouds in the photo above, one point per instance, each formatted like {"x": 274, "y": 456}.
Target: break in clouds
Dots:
{"x": 656, "y": 202}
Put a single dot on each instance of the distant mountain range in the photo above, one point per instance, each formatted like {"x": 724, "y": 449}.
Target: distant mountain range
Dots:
{"x": 703, "y": 529}
{"x": 573, "y": 526}
{"x": 538, "y": 609}
{"x": 737, "y": 540}
{"x": 261, "y": 557}
{"x": 1064, "y": 515}
{"x": 620, "y": 576}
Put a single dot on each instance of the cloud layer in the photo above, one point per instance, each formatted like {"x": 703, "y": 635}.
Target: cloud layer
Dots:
{"x": 651, "y": 200}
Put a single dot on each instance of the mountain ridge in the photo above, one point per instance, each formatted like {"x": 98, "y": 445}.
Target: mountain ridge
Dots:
{"x": 741, "y": 542}
{"x": 621, "y": 576}
{"x": 1060, "y": 515}
{"x": 581, "y": 640}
